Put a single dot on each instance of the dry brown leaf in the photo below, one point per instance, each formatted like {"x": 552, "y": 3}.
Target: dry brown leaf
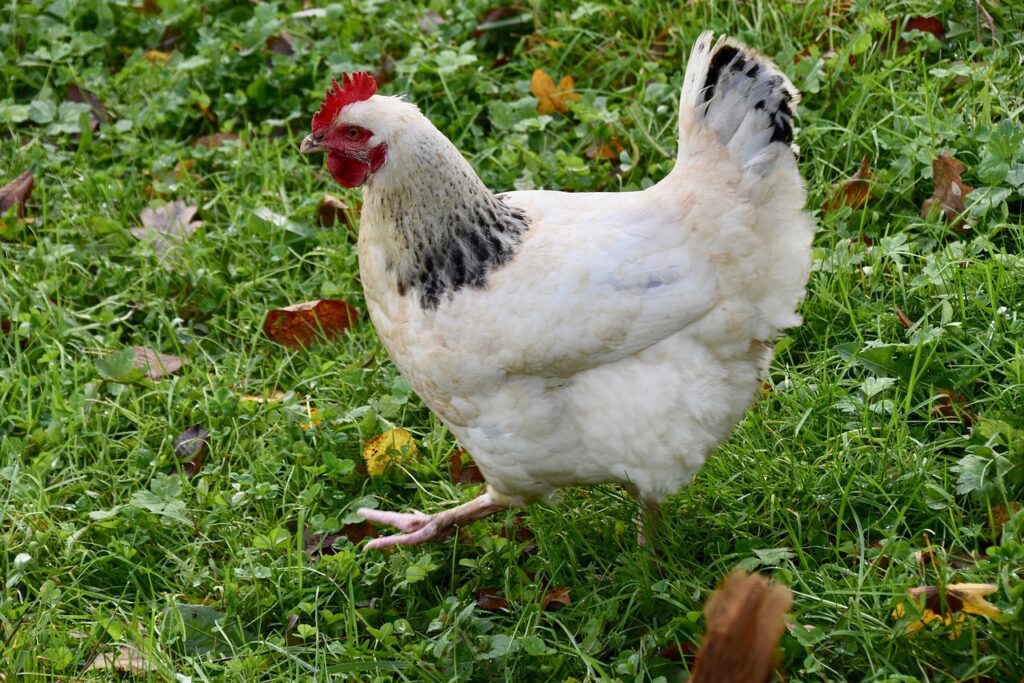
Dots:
{"x": 332, "y": 210}
{"x": 320, "y": 545}
{"x": 289, "y": 630}
{"x": 460, "y": 473}
{"x": 16, "y": 193}
{"x": 157, "y": 56}
{"x": 951, "y": 406}
{"x": 126, "y": 660}
{"x": 549, "y": 98}
{"x": 97, "y": 112}
{"x": 214, "y": 140}
{"x": 166, "y": 226}
{"x": 386, "y": 448}
{"x": 745, "y": 619}
{"x": 298, "y": 325}
{"x": 488, "y": 598}
{"x": 854, "y": 192}
{"x": 949, "y": 606}
{"x": 950, "y": 190}
{"x": 610, "y": 150}
{"x": 190, "y": 447}
{"x": 931, "y": 25}
{"x": 281, "y": 44}
{"x": 155, "y": 365}
{"x": 148, "y": 7}
{"x": 556, "y": 596}
{"x": 1001, "y": 514}
{"x": 902, "y": 318}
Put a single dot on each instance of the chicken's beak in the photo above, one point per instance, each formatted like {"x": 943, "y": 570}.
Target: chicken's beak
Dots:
{"x": 311, "y": 143}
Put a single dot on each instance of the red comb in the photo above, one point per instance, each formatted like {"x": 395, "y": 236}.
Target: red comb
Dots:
{"x": 354, "y": 88}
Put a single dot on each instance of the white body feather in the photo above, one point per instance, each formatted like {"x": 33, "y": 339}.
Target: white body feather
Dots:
{"x": 630, "y": 331}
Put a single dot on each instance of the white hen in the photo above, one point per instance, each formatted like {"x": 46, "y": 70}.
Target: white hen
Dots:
{"x": 571, "y": 339}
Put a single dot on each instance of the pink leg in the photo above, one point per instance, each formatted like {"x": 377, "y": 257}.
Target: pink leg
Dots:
{"x": 419, "y": 527}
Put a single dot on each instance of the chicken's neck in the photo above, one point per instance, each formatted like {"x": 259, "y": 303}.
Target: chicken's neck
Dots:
{"x": 440, "y": 227}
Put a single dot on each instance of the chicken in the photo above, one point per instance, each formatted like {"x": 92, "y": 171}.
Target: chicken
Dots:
{"x": 572, "y": 339}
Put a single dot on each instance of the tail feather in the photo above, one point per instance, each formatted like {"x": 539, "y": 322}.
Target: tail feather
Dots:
{"x": 743, "y": 98}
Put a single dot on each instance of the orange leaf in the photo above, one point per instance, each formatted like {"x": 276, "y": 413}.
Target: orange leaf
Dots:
{"x": 550, "y": 98}
{"x": 950, "y": 190}
{"x": 610, "y": 150}
{"x": 297, "y": 326}
{"x": 855, "y": 191}
{"x": 559, "y": 596}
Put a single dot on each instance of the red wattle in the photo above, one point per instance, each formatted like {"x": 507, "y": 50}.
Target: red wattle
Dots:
{"x": 347, "y": 171}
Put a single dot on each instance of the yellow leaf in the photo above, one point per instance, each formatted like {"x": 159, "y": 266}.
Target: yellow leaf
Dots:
{"x": 384, "y": 449}
{"x": 313, "y": 422}
{"x": 276, "y": 396}
{"x": 549, "y": 98}
{"x": 157, "y": 57}
{"x": 960, "y": 599}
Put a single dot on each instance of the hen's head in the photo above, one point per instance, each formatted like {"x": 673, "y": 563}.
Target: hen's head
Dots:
{"x": 353, "y": 128}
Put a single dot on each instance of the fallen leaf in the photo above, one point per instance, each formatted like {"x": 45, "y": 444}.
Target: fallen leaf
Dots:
{"x": 157, "y": 56}
{"x": 5, "y": 325}
{"x": 190, "y": 447}
{"x": 552, "y": 99}
{"x": 313, "y": 422}
{"x": 488, "y": 598}
{"x": 207, "y": 113}
{"x": 902, "y": 318}
{"x": 609, "y": 150}
{"x": 155, "y": 365}
{"x": 298, "y": 325}
{"x": 429, "y": 21}
{"x": 320, "y": 545}
{"x": 929, "y": 557}
{"x": 931, "y": 25}
{"x": 677, "y": 652}
{"x": 148, "y": 7}
{"x": 275, "y": 396}
{"x": 97, "y": 112}
{"x": 127, "y": 660}
{"x": 16, "y": 193}
{"x": 332, "y": 210}
{"x": 951, "y": 406}
{"x": 854, "y": 192}
{"x": 214, "y": 140}
{"x": 1001, "y": 514}
{"x": 289, "y": 630}
{"x": 281, "y": 44}
{"x": 950, "y": 190}
{"x": 166, "y": 226}
{"x": 949, "y": 606}
{"x": 745, "y": 616}
{"x": 386, "y": 448}
{"x": 461, "y": 473}
{"x": 557, "y": 596}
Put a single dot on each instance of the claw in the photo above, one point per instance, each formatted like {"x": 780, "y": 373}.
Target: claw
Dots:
{"x": 419, "y": 527}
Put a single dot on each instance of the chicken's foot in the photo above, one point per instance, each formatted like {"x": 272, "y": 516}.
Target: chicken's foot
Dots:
{"x": 419, "y": 527}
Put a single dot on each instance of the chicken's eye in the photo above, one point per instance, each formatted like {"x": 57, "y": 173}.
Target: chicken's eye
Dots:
{"x": 353, "y": 133}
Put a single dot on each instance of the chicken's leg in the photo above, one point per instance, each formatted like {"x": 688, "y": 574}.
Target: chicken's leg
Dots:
{"x": 420, "y": 527}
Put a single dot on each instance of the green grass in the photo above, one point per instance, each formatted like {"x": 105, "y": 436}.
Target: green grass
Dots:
{"x": 831, "y": 484}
